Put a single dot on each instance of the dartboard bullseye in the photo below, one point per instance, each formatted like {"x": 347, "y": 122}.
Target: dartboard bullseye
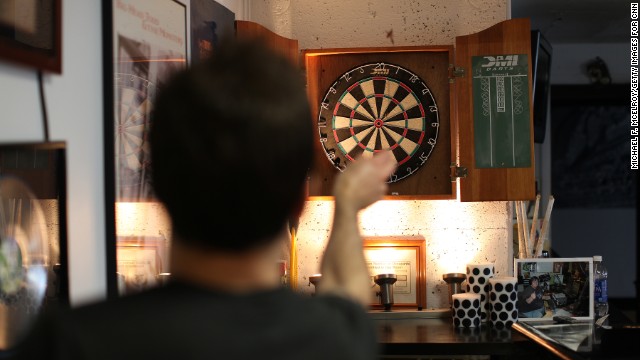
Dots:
{"x": 376, "y": 107}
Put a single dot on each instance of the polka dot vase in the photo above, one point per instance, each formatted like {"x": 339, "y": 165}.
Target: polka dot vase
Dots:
{"x": 478, "y": 276}
{"x": 503, "y": 298}
{"x": 466, "y": 310}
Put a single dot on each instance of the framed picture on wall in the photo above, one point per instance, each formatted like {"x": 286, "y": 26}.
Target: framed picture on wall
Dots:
{"x": 404, "y": 258}
{"x": 145, "y": 44}
{"x": 30, "y": 33}
{"x": 33, "y": 235}
{"x": 141, "y": 261}
{"x": 590, "y": 155}
{"x": 549, "y": 287}
{"x": 149, "y": 45}
{"x": 210, "y": 23}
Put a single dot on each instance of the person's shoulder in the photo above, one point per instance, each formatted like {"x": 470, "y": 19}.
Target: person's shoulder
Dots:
{"x": 341, "y": 302}
{"x": 336, "y": 310}
{"x": 339, "y": 321}
{"x": 326, "y": 301}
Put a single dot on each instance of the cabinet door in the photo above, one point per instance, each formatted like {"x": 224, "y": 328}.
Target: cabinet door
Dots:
{"x": 285, "y": 46}
{"x": 495, "y": 126}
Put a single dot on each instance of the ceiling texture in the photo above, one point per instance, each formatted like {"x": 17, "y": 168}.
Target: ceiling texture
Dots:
{"x": 577, "y": 21}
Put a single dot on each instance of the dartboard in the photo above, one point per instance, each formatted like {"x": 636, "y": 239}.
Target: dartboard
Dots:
{"x": 376, "y": 107}
{"x": 134, "y": 96}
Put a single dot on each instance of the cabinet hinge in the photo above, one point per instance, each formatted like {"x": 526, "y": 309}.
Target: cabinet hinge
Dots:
{"x": 457, "y": 172}
{"x": 455, "y": 72}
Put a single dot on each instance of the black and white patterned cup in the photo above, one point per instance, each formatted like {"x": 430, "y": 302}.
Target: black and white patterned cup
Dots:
{"x": 503, "y": 298}
{"x": 466, "y": 310}
{"x": 478, "y": 276}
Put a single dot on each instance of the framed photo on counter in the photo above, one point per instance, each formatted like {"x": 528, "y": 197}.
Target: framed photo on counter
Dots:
{"x": 404, "y": 257}
{"x": 549, "y": 287}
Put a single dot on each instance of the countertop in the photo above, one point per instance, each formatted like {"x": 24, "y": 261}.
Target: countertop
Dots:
{"x": 439, "y": 336}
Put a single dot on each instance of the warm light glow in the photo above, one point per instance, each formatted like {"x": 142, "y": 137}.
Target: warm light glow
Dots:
{"x": 127, "y": 209}
{"x": 385, "y": 215}
{"x": 142, "y": 219}
{"x": 383, "y": 254}
{"x": 454, "y": 255}
{"x": 449, "y": 232}
{"x": 385, "y": 258}
{"x": 456, "y": 234}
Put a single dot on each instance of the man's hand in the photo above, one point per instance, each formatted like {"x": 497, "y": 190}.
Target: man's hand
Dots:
{"x": 344, "y": 271}
{"x": 364, "y": 181}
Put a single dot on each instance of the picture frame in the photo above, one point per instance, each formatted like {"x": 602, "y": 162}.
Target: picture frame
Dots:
{"x": 140, "y": 263}
{"x": 31, "y": 33}
{"x": 145, "y": 43}
{"x": 33, "y": 235}
{"x": 149, "y": 45}
{"x": 41, "y": 166}
{"x": 405, "y": 257}
{"x": 590, "y": 155}
{"x": 561, "y": 287}
{"x": 210, "y": 23}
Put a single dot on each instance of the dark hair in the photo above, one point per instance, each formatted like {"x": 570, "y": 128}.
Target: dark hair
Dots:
{"x": 231, "y": 145}
{"x": 535, "y": 278}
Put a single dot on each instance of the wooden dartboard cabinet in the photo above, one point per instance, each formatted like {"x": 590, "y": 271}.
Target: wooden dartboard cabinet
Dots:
{"x": 447, "y": 72}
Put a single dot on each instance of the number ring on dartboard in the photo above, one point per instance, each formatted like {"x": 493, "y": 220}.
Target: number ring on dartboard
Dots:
{"x": 134, "y": 97}
{"x": 376, "y": 107}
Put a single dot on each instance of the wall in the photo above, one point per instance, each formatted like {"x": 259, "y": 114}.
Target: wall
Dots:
{"x": 481, "y": 231}
{"x": 74, "y": 101}
{"x": 75, "y": 109}
{"x": 360, "y": 23}
{"x": 610, "y": 232}
{"x": 456, "y": 233}
{"x": 569, "y": 60}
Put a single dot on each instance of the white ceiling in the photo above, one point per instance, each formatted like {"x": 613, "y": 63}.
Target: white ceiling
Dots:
{"x": 577, "y": 21}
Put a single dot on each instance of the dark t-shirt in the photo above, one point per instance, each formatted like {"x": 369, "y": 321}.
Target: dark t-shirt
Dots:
{"x": 536, "y": 304}
{"x": 181, "y": 321}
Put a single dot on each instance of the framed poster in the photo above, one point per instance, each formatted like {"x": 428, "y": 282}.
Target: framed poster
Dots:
{"x": 145, "y": 43}
{"x": 150, "y": 44}
{"x": 30, "y": 33}
{"x": 549, "y": 287}
{"x": 210, "y": 22}
{"x": 403, "y": 257}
